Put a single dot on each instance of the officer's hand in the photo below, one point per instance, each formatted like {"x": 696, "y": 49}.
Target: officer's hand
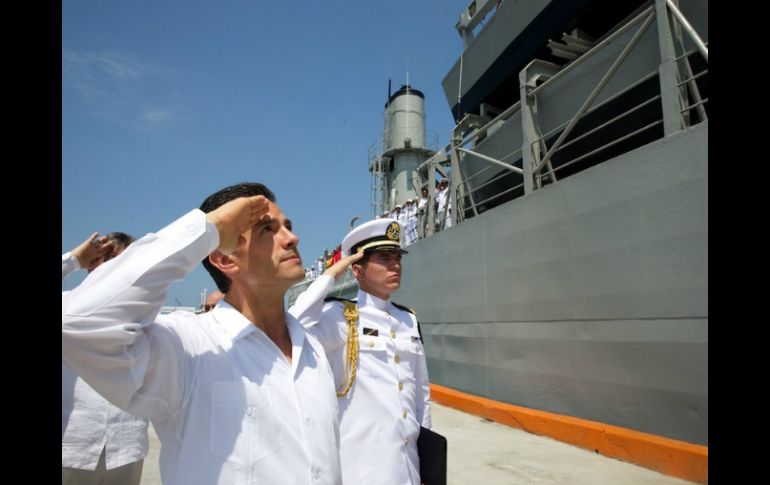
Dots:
{"x": 338, "y": 268}
{"x": 236, "y": 217}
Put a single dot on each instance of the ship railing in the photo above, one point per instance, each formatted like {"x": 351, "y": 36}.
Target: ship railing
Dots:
{"x": 475, "y": 202}
{"x": 680, "y": 105}
{"x": 469, "y": 131}
{"x": 674, "y": 95}
{"x": 689, "y": 85}
{"x": 460, "y": 187}
{"x": 646, "y": 18}
{"x": 542, "y": 141}
{"x": 685, "y": 25}
{"x": 687, "y": 117}
{"x": 686, "y": 120}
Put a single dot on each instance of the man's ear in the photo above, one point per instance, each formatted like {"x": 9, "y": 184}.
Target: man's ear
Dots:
{"x": 358, "y": 269}
{"x": 222, "y": 262}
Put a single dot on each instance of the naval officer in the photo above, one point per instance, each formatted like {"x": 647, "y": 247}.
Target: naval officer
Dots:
{"x": 376, "y": 354}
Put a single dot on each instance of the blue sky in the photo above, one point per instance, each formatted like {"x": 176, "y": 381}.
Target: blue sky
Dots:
{"x": 165, "y": 102}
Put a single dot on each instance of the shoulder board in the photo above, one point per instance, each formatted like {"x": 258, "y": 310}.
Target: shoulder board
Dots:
{"x": 405, "y": 308}
{"x": 336, "y": 298}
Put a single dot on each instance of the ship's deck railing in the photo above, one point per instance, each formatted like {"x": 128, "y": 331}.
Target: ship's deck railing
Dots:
{"x": 678, "y": 104}
{"x": 679, "y": 120}
{"x": 540, "y": 174}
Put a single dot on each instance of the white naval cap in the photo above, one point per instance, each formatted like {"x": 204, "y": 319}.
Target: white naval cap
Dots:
{"x": 376, "y": 235}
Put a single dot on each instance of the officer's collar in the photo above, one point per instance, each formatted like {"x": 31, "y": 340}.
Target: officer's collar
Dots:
{"x": 366, "y": 299}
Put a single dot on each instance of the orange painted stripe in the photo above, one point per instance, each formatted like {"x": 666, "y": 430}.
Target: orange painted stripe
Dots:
{"x": 665, "y": 455}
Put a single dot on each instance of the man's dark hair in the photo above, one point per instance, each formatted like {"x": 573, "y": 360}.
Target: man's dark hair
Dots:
{"x": 219, "y": 198}
{"x": 121, "y": 239}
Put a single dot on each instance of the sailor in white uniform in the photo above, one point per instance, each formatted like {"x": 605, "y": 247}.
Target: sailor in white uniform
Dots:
{"x": 411, "y": 222}
{"x": 444, "y": 205}
{"x": 379, "y": 367}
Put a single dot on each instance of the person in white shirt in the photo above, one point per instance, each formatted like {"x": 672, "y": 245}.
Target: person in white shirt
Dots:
{"x": 403, "y": 221}
{"x": 444, "y": 205}
{"x": 100, "y": 443}
{"x": 411, "y": 222}
{"x": 402, "y": 218}
{"x": 422, "y": 212}
{"x": 240, "y": 394}
{"x": 377, "y": 357}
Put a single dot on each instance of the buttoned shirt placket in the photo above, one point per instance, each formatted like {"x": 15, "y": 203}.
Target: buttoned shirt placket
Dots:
{"x": 401, "y": 377}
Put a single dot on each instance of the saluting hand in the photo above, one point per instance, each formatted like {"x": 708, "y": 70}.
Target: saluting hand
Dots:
{"x": 338, "y": 268}
{"x": 236, "y": 217}
{"x": 91, "y": 252}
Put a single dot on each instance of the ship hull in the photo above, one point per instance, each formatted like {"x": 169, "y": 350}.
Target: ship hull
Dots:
{"x": 587, "y": 298}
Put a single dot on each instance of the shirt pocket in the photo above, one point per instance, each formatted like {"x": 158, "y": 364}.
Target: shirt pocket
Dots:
{"x": 411, "y": 351}
{"x": 373, "y": 356}
{"x": 371, "y": 343}
{"x": 243, "y": 427}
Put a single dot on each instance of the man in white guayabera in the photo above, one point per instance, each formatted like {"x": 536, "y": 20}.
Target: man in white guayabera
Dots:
{"x": 239, "y": 394}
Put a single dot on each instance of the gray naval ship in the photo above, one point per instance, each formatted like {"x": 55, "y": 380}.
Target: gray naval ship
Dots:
{"x": 574, "y": 278}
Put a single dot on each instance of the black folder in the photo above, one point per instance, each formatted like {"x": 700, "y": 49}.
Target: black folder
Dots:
{"x": 431, "y": 447}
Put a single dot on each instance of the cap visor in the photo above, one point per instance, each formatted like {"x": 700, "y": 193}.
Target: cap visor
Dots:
{"x": 386, "y": 248}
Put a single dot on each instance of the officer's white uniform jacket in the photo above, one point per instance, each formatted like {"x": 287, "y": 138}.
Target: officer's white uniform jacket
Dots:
{"x": 227, "y": 405}
{"x": 380, "y": 418}
{"x": 89, "y": 423}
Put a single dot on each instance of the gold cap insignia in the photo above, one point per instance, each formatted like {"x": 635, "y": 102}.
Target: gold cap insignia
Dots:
{"x": 392, "y": 231}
